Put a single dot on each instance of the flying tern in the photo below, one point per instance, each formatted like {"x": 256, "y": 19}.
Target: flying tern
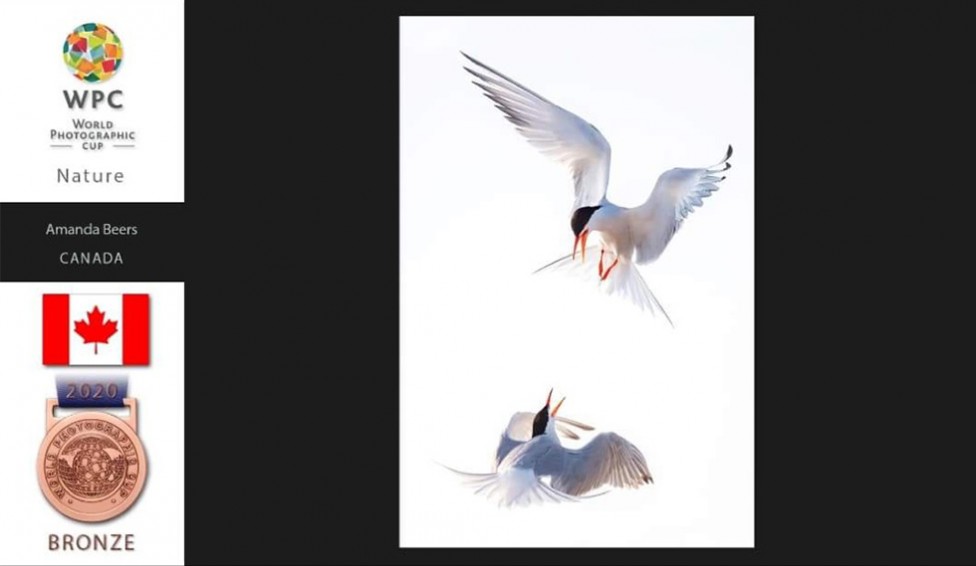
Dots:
{"x": 530, "y": 451}
{"x": 626, "y": 236}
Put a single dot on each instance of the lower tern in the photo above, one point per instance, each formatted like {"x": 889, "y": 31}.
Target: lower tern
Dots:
{"x": 530, "y": 450}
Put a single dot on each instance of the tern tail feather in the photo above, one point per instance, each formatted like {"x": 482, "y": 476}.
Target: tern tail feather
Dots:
{"x": 513, "y": 487}
{"x": 625, "y": 281}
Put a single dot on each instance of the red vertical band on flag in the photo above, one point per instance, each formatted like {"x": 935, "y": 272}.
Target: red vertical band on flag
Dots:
{"x": 57, "y": 329}
{"x": 135, "y": 330}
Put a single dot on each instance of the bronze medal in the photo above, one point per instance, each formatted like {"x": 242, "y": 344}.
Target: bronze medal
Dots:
{"x": 91, "y": 465}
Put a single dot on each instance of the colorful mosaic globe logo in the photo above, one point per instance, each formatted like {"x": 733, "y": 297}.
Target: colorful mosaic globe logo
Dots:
{"x": 93, "y": 53}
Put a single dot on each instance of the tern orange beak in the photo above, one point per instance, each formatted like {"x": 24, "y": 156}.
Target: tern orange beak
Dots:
{"x": 581, "y": 243}
{"x": 559, "y": 404}
{"x": 549, "y": 398}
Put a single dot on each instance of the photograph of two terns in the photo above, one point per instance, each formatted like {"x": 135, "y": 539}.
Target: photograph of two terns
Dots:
{"x": 609, "y": 308}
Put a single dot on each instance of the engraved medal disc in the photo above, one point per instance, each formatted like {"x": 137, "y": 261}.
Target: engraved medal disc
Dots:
{"x": 91, "y": 465}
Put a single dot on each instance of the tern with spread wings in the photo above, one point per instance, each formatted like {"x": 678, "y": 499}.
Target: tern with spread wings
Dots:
{"x": 530, "y": 450}
{"x": 626, "y": 236}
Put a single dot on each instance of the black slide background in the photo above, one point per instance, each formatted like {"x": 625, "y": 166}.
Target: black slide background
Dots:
{"x": 864, "y": 423}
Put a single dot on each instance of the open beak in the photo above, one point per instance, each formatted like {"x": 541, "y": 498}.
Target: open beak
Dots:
{"x": 549, "y": 398}
{"x": 559, "y": 404}
{"x": 581, "y": 243}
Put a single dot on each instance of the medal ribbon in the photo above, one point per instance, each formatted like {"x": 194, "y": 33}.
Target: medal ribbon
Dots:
{"x": 91, "y": 391}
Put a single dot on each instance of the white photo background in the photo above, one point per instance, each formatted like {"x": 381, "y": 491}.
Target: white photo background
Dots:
{"x": 482, "y": 338}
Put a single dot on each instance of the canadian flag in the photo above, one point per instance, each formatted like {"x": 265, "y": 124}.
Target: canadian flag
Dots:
{"x": 96, "y": 330}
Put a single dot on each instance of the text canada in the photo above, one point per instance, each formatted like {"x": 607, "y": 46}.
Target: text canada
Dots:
{"x": 91, "y": 258}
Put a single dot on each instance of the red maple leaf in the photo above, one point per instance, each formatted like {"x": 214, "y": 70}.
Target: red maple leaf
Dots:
{"x": 97, "y": 329}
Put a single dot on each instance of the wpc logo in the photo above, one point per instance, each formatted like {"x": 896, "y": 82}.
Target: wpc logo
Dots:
{"x": 93, "y": 52}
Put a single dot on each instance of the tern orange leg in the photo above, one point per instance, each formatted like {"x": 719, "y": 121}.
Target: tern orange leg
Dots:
{"x": 609, "y": 269}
